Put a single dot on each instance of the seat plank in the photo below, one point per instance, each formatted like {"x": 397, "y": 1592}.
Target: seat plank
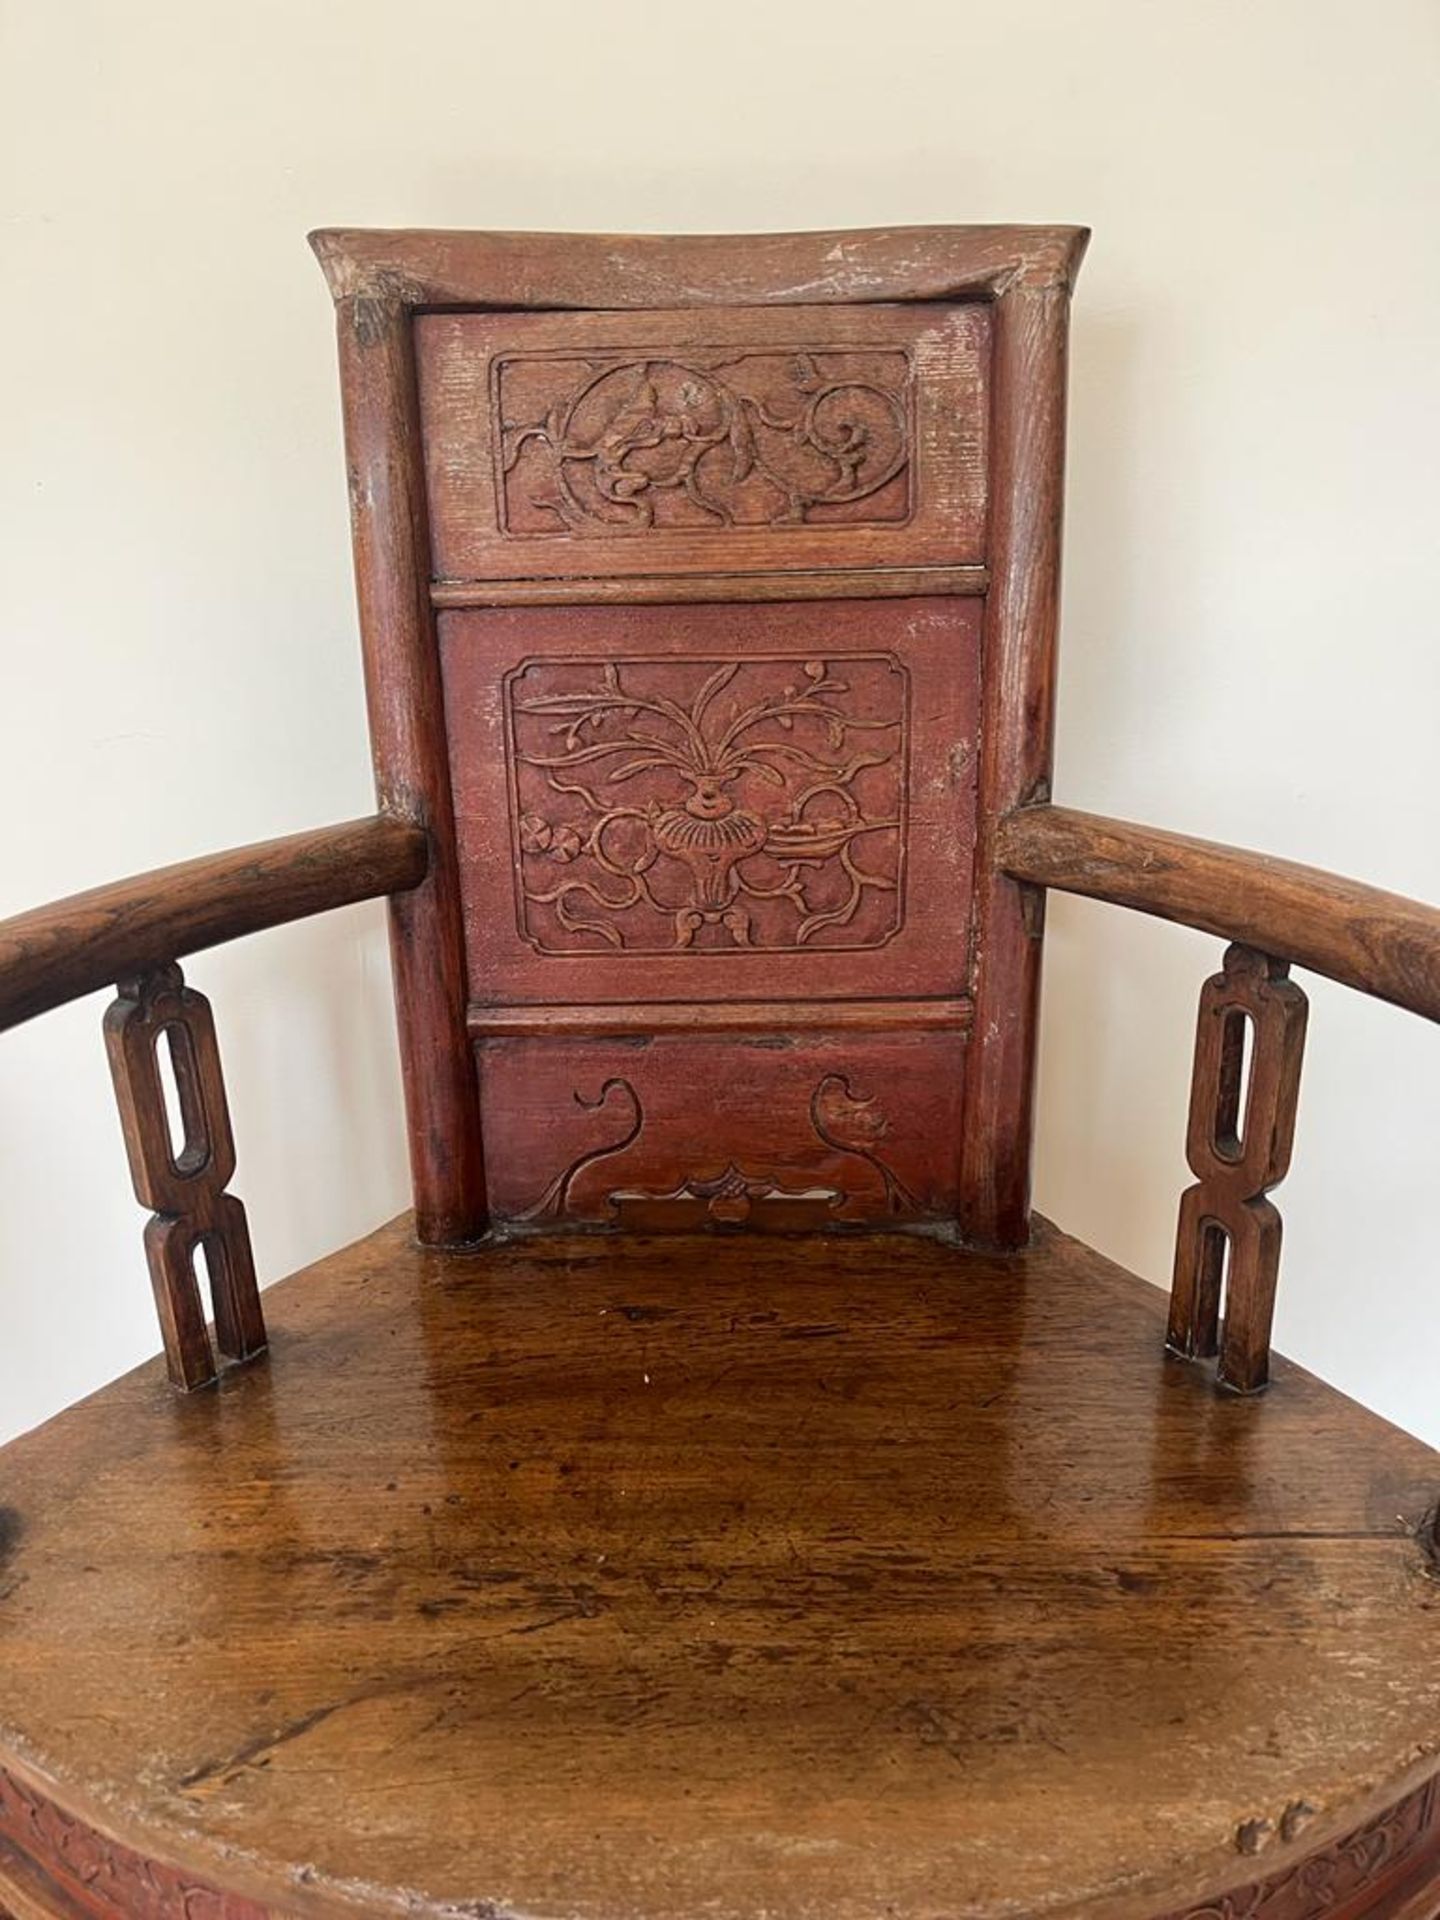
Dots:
{"x": 820, "y": 1578}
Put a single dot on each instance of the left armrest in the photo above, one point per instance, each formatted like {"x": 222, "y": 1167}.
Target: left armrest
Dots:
{"x": 129, "y": 935}
{"x": 1380, "y": 943}
{"x": 72, "y": 947}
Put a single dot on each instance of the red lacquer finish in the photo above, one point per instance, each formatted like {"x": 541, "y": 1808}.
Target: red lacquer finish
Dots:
{"x": 62, "y": 1868}
{"x": 745, "y": 558}
{"x": 707, "y": 803}
{"x": 622, "y": 444}
{"x": 767, "y": 1130}
{"x": 706, "y": 807}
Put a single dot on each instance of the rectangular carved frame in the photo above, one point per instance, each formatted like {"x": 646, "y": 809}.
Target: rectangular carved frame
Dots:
{"x": 381, "y": 281}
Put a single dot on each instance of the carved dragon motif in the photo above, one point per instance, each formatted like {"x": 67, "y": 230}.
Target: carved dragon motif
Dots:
{"x": 624, "y": 444}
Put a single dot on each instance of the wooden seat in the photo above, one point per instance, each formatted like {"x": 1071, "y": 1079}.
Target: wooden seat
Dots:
{"x": 724, "y": 1575}
{"x": 719, "y": 1500}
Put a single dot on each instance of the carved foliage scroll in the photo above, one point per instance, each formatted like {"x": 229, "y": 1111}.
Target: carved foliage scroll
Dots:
{"x": 848, "y": 1122}
{"x": 185, "y": 1187}
{"x": 803, "y": 830}
{"x": 1238, "y": 1146}
{"x": 705, "y": 440}
{"x": 671, "y": 806}
{"x": 568, "y": 446}
{"x": 1344, "y": 1877}
{"x": 771, "y": 1132}
{"x": 81, "y": 1872}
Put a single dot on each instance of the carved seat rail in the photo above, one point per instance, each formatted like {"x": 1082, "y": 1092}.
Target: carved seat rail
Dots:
{"x": 1250, "y": 1035}
{"x": 130, "y": 934}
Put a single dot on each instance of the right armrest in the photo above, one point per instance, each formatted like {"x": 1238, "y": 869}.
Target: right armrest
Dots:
{"x": 72, "y": 947}
{"x": 1379, "y": 943}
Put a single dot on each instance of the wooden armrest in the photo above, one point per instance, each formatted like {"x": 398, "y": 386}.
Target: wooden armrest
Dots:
{"x": 1381, "y": 943}
{"x": 72, "y": 947}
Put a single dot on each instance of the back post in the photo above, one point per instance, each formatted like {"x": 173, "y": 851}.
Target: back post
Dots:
{"x": 407, "y": 735}
{"x": 1032, "y": 322}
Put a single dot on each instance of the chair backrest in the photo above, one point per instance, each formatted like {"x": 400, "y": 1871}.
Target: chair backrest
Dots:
{"x": 708, "y": 598}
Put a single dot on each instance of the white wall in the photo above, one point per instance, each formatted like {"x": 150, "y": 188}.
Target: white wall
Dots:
{"x": 1250, "y": 647}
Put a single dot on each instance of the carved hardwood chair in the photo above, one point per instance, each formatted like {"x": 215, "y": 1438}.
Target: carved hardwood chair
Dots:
{"x": 722, "y": 1498}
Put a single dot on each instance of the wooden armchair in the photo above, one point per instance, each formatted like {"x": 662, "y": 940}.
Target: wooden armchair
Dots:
{"x": 723, "y": 1497}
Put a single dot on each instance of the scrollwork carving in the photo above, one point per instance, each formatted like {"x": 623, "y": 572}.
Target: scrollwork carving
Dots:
{"x": 626, "y": 443}
{"x": 1332, "y": 1878}
{"x": 732, "y": 1199}
{"x": 735, "y": 1195}
{"x": 857, "y": 1124}
{"x": 99, "y": 1875}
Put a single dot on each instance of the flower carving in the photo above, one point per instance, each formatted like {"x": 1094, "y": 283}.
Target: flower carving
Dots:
{"x": 711, "y": 804}
{"x": 536, "y": 835}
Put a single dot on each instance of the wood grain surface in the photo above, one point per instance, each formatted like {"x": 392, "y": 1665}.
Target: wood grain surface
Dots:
{"x": 1022, "y": 611}
{"x": 1381, "y": 943}
{"x": 613, "y": 1577}
{"x": 71, "y": 947}
{"x": 429, "y": 267}
{"x": 738, "y": 589}
{"x": 390, "y": 531}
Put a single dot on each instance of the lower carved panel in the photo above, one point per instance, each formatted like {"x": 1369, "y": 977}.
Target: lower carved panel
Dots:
{"x": 776, "y": 1132}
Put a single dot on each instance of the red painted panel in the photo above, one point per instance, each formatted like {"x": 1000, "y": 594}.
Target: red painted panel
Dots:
{"x": 702, "y": 802}
{"x": 609, "y": 444}
{"x": 778, "y": 1132}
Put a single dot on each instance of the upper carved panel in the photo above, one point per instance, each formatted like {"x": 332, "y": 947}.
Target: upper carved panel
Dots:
{"x": 626, "y": 443}
{"x": 565, "y": 445}
{"x": 692, "y": 805}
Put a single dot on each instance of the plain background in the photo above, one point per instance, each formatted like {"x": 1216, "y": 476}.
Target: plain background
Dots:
{"x": 1250, "y": 647}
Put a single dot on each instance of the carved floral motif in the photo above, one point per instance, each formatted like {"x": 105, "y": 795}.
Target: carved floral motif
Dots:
{"x": 621, "y": 443}
{"x": 673, "y": 805}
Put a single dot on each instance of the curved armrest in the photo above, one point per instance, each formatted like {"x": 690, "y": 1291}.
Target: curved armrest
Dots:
{"x": 73, "y": 947}
{"x": 1381, "y": 943}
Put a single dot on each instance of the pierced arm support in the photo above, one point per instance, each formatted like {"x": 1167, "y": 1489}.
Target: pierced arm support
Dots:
{"x": 1240, "y": 1133}
{"x": 1238, "y": 1146}
{"x": 132, "y": 932}
{"x": 185, "y": 1186}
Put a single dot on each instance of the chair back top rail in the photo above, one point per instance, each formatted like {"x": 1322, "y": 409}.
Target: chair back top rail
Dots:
{"x": 1381, "y": 943}
{"x": 92, "y": 940}
{"x": 429, "y": 268}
